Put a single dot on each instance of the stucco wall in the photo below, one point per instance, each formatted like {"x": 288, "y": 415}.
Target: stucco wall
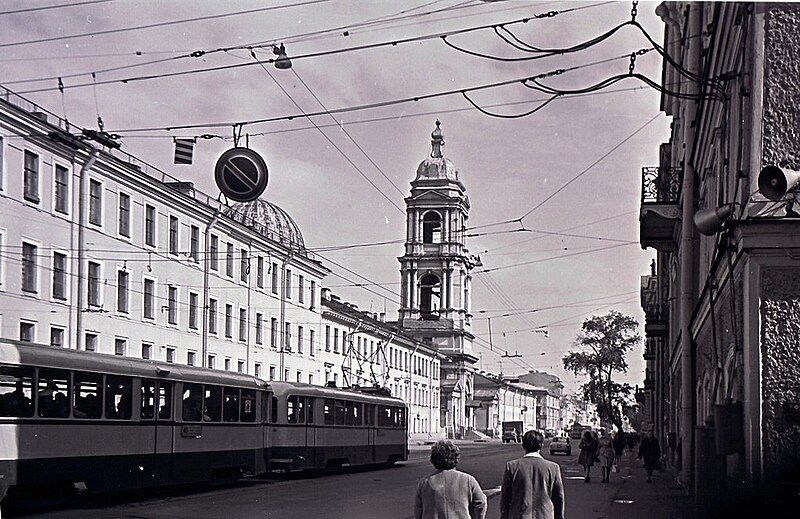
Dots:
{"x": 780, "y": 357}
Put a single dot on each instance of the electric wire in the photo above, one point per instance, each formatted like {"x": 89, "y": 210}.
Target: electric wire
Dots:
{"x": 54, "y": 6}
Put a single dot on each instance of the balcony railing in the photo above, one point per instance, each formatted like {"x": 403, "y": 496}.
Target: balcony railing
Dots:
{"x": 661, "y": 185}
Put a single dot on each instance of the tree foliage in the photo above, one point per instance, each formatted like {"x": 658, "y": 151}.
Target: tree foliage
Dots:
{"x": 603, "y": 343}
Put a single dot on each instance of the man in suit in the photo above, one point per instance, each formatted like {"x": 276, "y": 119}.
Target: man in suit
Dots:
{"x": 532, "y": 487}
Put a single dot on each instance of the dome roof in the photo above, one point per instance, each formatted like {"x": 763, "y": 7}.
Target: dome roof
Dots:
{"x": 437, "y": 166}
{"x": 269, "y": 220}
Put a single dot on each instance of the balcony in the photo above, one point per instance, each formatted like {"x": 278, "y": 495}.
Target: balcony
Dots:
{"x": 649, "y": 351}
{"x": 659, "y": 213}
{"x": 655, "y": 311}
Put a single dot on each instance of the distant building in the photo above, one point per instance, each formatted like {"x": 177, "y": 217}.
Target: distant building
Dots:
{"x": 549, "y": 400}
{"x": 503, "y": 401}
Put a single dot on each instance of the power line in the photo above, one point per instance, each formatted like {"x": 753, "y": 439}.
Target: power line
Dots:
{"x": 562, "y": 256}
{"x": 159, "y": 24}
{"x": 56, "y": 6}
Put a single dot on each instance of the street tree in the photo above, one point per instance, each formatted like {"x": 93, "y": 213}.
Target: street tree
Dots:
{"x": 603, "y": 343}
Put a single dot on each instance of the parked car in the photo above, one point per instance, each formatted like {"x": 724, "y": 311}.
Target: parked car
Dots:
{"x": 561, "y": 444}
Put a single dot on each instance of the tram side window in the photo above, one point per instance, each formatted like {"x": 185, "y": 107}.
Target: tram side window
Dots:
{"x": 399, "y": 417}
{"x": 212, "y": 404}
{"x": 119, "y": 395}
{"x": 274, "y": 411}
{"x": 327, "y": 412}
{"x": 53, "y": 393}
{"x": 192, "y": 402}
{"x": 309, "y": 410}
{"x": 353, "y": 413}
{"x": 164, "y": 400}
{"x": 248, "y": 410}
{"x": 369, "y": 414}
{"x": 230, "y": 404}
{"x": 340, "y": 412}
{"x": 301, "y": 409}
{"x": 291, "y": 409}
{"x": 16, "y": 391}
{"x": 87, "y": 391}
{"x": 385, "y": 416}
{"x": 148, "y": 400}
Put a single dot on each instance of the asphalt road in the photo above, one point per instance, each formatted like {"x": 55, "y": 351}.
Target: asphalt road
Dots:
{"x": 361, "y": 494}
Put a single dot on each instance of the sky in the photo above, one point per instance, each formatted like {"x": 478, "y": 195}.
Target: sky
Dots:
{"x": 572, "y": 167}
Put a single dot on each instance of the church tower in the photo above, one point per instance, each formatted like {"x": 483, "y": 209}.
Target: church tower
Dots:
{"x": 436, "y": 279}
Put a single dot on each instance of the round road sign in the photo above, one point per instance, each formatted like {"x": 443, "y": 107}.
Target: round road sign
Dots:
{"x": 241, "y": 174}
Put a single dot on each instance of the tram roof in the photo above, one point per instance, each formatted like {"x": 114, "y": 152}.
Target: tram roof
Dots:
{"x": 283, "y": 388}
{"x": 40, "y": 355}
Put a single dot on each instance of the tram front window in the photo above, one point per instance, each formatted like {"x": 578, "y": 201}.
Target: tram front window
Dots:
{"x": 16, "y": 391}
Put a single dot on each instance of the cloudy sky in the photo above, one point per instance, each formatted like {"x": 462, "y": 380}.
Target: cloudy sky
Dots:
{"x": 595, "y": 145}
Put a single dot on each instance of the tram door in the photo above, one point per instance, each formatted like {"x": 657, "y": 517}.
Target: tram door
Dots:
{"x": 310, "y": 431}
{"x": 369, "y": 418}
{"x": 156, "y": 407}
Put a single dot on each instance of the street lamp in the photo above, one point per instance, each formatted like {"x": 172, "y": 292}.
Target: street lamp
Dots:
{"x": 282, "y": 62}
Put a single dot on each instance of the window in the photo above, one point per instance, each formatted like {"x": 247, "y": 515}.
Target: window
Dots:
{"x": 286, "y": 375}
{"x": 274, "y": 410}
{"x": 344, "y": 342}
{"x": 272, "y": 372}
{"x": 227, "y": 364}
{"x": 192, "y": 403}
{"x": 61, "y": 203}
{"x": 124, "y": 216}
{"x": 212, "y": 316}
{"x": 259, "y": 330}
{"x": 312, "y": 347}
{"x": 95, "y": 202}
{"x": 300, "y": 288}
{"x": 59, "y": 276}
{"x": 244, "y": 266}
{"x": 120, "y": 346}
{"x": 213, "y": 250}
{"x": 16, "y": 391}
{"x": 90, "y": 342}
{"x": 173, "y": 235}
{"x": 172, "y": 304}
{"x": 230, "y": 404}
{"x": 27, "y": 332}
{"x": 194, "y": 243}
{"x": 299, "y": 340}
{"x": 335, "y": 340}
{"x": 273, "y": 328}
{"x": 31, "y": 180}
{"x": 287, "y": 283}
{"x": 260, "y": 272}
{"x": 170, "y": 355}
{"x": 339, "y": 412}
{"x": 93, "y": 286}
{"x": 257, "y": 370}
{"x": 327, "y": 412}
{"x": 147, "y": 351}
{"x": 313, "y": 295}
{"x": 87, "y": 389}
{"x": 229, "y": 320}
{"x": 431, "y": 227}
{"x": 240, "y": 366}
{"x": 210, "y": 361}
{"x": 150, "y": 225}
{"x": 119, "y": 397}
{"x": 53, "y": 393}
{"x": 193, "y": 297}
{"x": 243, "y": 324}
{"x": 299, "y": 376}
{"x": 248, "y": 408}
{"x": 56, "y": 337}
{"x": 29, "y": 275}
{"x": 229, "y": 260}
{"x": 191, "y": 358}
{"x": 149, "y": 299}
{"x": 287, "y": 336}
{"x": 212, "y": 403}
{"x": 327, "y": 337}
{"x": 147, "y": 409}
{"x": 274, "y": 278}
{"x": 122, "y": 291}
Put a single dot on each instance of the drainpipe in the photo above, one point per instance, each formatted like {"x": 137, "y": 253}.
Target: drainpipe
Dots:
{"x": 282, "y": 324}
{"x": 206, "y": 273}
{"x": 688, "y": 254}
{"x": 82, "y": 179}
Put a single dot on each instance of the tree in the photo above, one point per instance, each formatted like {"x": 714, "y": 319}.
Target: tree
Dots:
{"x": 604, "y": 341}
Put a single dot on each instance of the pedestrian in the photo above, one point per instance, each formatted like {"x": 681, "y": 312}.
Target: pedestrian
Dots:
{"x": 532, "y": 486}
{"x": 606, "y": 454}
{"x": 588, "y": 447}
{"x": 448, "y": 493}
{"x": 650, "y": 452}
{"x": 619, "y": 446}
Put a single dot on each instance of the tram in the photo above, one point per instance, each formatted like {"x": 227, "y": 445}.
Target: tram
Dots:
{"x": 100, "y": 423}
{"x": 315, "y": 427}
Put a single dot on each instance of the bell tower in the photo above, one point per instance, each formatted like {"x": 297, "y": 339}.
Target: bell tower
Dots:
{"x": 436, "y": 279}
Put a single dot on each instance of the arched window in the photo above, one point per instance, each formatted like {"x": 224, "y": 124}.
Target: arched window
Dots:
{"x": 430, "y": 289}
{"x": 431, "y": 227}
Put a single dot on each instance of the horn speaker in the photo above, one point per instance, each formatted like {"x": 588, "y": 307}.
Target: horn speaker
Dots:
{"x": 709, "y": 221}
{"x": 774, "y": 182}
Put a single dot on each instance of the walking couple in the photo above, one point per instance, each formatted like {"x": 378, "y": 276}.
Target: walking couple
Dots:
{"x": 594, "y": 449}
{"x": 532, "y": 486}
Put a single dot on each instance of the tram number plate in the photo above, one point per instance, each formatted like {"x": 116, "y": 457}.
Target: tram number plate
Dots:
{"x": 191, "y": 431}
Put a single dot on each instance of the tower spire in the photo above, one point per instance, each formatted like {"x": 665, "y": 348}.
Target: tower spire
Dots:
{"x": 437, "y": 141}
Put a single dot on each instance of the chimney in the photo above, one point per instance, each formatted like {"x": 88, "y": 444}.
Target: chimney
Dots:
{"x": 382, "y": 317}
{"x": 325, "y": 293}
{"x": 187, "y": 188}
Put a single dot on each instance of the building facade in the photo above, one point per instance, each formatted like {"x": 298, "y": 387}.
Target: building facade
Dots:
{"x": 501, "y": 401}
{"x": 722, "y": 298}
{"x": 436, "y": 279}
{"x": 100, "y": 251}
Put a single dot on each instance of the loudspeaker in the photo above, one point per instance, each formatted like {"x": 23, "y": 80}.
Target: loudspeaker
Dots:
{"x": 709, "y": 221}
{"x": 774, "y": 182}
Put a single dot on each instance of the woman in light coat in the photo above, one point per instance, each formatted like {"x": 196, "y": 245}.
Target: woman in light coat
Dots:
{"x": 448, "y": 493}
